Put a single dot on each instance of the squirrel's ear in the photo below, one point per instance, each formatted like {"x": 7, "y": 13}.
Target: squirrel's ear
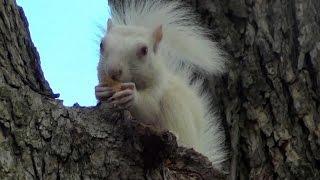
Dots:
{"x": 110, "y": 24}
{"x": 157, "y": 36}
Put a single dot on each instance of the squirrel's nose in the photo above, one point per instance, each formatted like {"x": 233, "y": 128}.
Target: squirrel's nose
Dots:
{"x": 114, "y": 73}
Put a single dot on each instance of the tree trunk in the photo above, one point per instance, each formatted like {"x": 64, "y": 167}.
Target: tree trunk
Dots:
{"x": 270, "y": 97}
{"x": 269, "y": 101}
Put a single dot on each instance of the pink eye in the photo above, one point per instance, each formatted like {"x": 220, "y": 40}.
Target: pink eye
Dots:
{"x": 142, "y": 51}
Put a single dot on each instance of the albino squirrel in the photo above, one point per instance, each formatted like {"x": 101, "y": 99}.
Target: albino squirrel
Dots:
{"x": 142, "y": 54}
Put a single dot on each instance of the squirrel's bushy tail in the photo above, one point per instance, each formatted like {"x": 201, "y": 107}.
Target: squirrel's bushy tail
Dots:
{"x": 184, "y": 41}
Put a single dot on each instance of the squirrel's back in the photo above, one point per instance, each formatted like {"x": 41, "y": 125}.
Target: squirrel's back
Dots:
{"x": 187, "y": 113}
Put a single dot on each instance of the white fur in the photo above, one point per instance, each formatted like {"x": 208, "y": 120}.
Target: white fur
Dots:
{"x": 178, "y": 106}
{"x": 183, "y": 40}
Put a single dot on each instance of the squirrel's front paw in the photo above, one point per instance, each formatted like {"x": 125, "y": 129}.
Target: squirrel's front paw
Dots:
{"x": 123, "y": 99}
{"x": 103, "y": 93}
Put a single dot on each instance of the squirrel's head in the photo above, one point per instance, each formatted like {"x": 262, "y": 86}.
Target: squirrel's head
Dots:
{"x": 129, "y": 53}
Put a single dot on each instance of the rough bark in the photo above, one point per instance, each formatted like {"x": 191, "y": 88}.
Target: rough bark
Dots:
{"x": 270, "y": 97}
{"x": 269, "y": 101}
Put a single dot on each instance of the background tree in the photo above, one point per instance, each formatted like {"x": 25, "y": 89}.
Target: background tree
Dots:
{"x": 270, "y": 98}
{"x": 269, "y": 101}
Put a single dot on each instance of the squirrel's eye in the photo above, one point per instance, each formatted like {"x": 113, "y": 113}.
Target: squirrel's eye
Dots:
{"x": 101, "y": 47}
{"x": 142, "y": 51}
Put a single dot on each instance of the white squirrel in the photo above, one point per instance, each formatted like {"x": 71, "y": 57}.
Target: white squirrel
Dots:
{"x": 145, "y": 44}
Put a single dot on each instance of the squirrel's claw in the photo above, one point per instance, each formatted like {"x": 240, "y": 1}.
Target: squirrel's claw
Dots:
{"x": 123, "y": 99}
{"x": 103, "y": 93}
{"x": 117, "y": 100}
